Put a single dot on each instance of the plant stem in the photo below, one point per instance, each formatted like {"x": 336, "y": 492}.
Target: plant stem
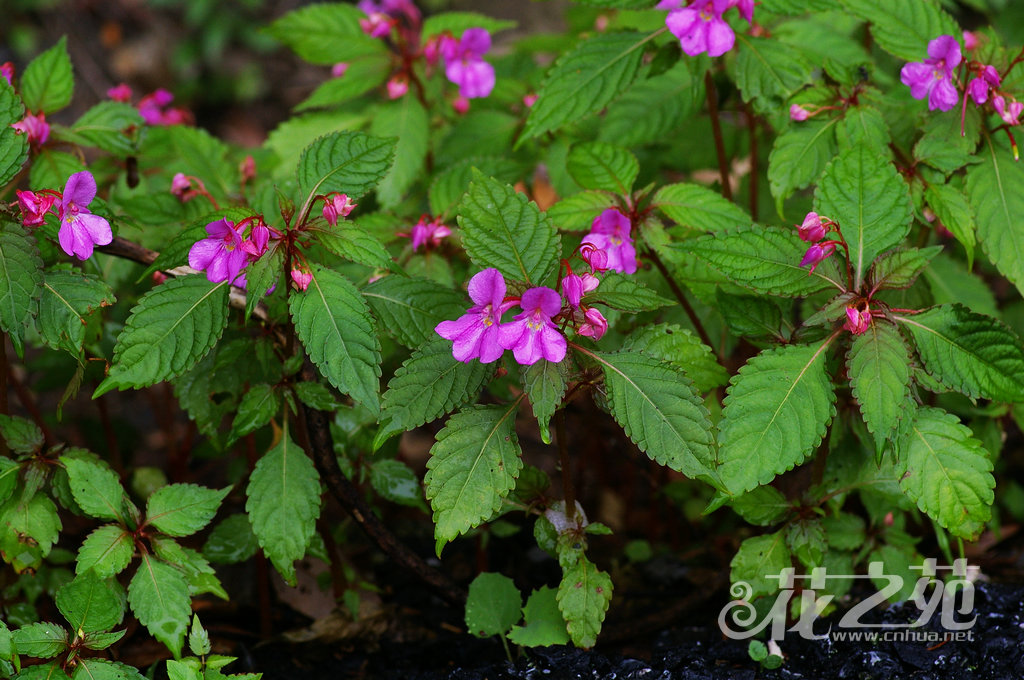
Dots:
{"x": 716, "y": 130}
{"x": 4, "y": 407}
{"x": 25, "y": 397}
{"x": 681, "y": 297}
{"x": 754, "y": 165}
{"x": 568, "y": 489}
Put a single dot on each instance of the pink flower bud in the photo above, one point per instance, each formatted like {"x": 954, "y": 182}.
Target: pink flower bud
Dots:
{"x": 397, "y": 87}
{"x": 376, "y": 25}
{"x": 857, "y": 320}
{"x": 529, "y": 100}
{"x": 572, "y": 289}
{"x": 247, "y": 168}
{"x": 970, "y": 41}
{"x": 120, "y": 93}
{"x": 812, "y": 229}
{"x": 34, "y": 207}
{"x": 256, "y": 244}
{"x": 338, "y": 70}
{"x": 595, "y": 325}
{"x": 798, "y": 113}
{"x": 181, "y": 185}
{"x": 590, "y": 282}
{"x": 337, "y": 205}
{"x": 301, "y": 278}
{"x": 432, "y": 51}
{"x": 816, "y": 253}
{"x": 461, "y": 105}
{"x": 595, "y": 257}
{"x": 7, "y": 71}
{"x": 34, "y": 127}
{"x": 159, "y": 277}
{"x": 1010, "y": 114}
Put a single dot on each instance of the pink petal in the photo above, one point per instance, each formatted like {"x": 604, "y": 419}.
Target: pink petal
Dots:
{"x": 203, "y": 252}
{"x": 487, "y": 287}
{"x": 80, "y": 189}
{"x": 720, "y": 38}
{"x": 97, "y": 228}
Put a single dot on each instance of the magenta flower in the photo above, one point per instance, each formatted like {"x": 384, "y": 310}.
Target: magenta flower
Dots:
{"x": 979, "y": 87}
{"x": 301, "y": 278}
{"x": 256, "y": 244}
{"x": 610, "y": 233}
{"x": 475, "y": 334}
{"x": 428, "y": 234}
{"x": 34, "y": 207}
{"x": 1010, "y": 114}
{"x": 858, "y": 321}
{"x": 220, "y": 255}
{"x": 970, "y": 41}
{"x": 155, "y": 109}
{"x": 336, "y": 205}
{"x": 391, "y": 8}
{"x": 7, "y": 72}
{"x": 376, "y": 24}
{"x": 812, "y": 230}
{"x": 80, "y": 230}
{"x": 397, "y": 87}
{"x": 460, "y": 105}
{"x": 798, "y": 113}
{"x": 181, "y": 187}
{"x": 594, "y": 324}
{"x": 572, "y": 289}
{"x": 120, "y": 93}
{"x": 338, "y": 70}
{"x": 464, "y": 64}
{"x": 34, "y": 127}
{"x": 816, "y": 253}
{"x": 533, "y": 336}
{"x": 701, "y": 28}
{"x": 933, "y": 78}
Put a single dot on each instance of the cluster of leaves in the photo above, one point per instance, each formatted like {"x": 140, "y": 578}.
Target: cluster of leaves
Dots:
{"x": 903, "y": 419}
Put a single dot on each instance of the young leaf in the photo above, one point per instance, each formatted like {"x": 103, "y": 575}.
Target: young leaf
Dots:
{"x": 603, "y": 166}
{"x": 284, "y": 527}
{"x": 864, "y": 126}
{"x": 91, "y": 604}
{"x": 764, "y": 259}
{"x": 450, "y": 184}
{"x": 683, "y": 349}
{"x": 231, "y": 541}
{"x": 626, "y": 294}
{"x": 96, "y": 488}
{"x": 692, "y": 205}
{"x": 585, "y": 80}
{"x": 326, "y": 33}
{"x": 947, "y": 472}
{"x": 47, "y": 83}
{"x": 352, "y": 242}
{"x": 493, "y": 605}
{"x": 972, "y": 353}
{"x": 769, "y": 69}
{"x": 543, "y": 624}
{"x": 762, "y": 505}
{"x": 406, "y": 119}
{"x": 41, "y": 640}
{"x": 316, "y": 396}
{"x": 21, "y": 434}
{"x": 31, "y": 526}
{"x": 198, "y": 638}
{"x": 864, "y": 193}
{"x": 777, "y": 410}
{"x": 257, "y": 407}
{"x": 158, "y": 595}
{"x": 107, "y": 551}
{"x": 410, "y": 308}
{"x": 108, "y": 126}
{"x": 21, "y": 281}
{"x": 501, "y": 228}
{"x": 759, "y": 558}
{"x": 333, "y": 322}
{"x": 995, "y": 188}
{"x": 170, "y": 329}
{"x": 362, "y": 75}
{"x": 68, "y": 300}
{"x": 659, "y": 409}
{"x": 749, "y": 315}
{"x": 90, "y": 668}
{"x": 904, "y": 29}
{"x": 473, "y": 465}
{"x": 583, "y": 598}
{"x": 13, "y": 145}
{"x": 578, "y": 212}
{"x": 183, "y": 509}
{"x": 900, "y": 268}
{"x": 395, "y": 481}
{"x": 544, "y": 383}
{"x": 879, "y": 368}
{"x": 799, "y": 156}
{"x": 651, "y": 109}
{"x": 352, "y": 162}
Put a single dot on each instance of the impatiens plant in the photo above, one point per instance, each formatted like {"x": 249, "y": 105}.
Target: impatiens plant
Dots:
{"x": 547, "y": 257}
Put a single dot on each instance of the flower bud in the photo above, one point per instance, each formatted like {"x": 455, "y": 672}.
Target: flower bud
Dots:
{"x": 120, "y": 93}
{"x": 595, "y": 325}
{"x": 181, "y": 185}
{"x": 338, "y": 70}
{"x": 857, "y": 320}
{"x": 301, "y": 278}
{"x": 812, "y": 230}
{"x": 397, "y": 87}
{"x": 816, "y": 253}
{"x": 798, "y": 113}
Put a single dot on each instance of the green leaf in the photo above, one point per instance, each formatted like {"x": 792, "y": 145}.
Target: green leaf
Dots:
{"x": 864, "y": 126}
{"x": 257, "y": 408}
{"x": 543, "y": 624}
{"x": 651, "y": 109}
{"x": 806, "y": 540}
{"x": 97, "y": 641}
{"x": 995, "y": 188}
{"x": 450, "y": 184}
{"x": 777, "y": 410}
{"x": 456, "y": 23}
{"x": 158, "y": 595}
{"x": 946, "y": 472}
{"x": 41, "y": 640}
{"x": 626, "y": 293}
{"x": 904, "y": 29}
{"x": 21, "y": 434}
{"x": 109, "y": 126}
{"x": 395, "y": 481}
{"x": 8, "y": 480}
{"x": 769, "y": 69}
{"x": 183, "y": 509}
{"x": 473, "y": 465}
{"x": 326, "y": 33}
{"x": 544, "y": 383}
{"x": 681, "y": 348}
{"x": 406, "y": 119}
{"x": 410, "y": 308}
{"x": 361, "y": 76}
{"x": 578, "y": 212}
{"x": 13, "y": 146}
{"x": 864, "y": 193}
{"x": 69, "y": 299}
{"x": 316, "y": 396}
{"x": 952, "y": 210}
{"x": 352, "y": 162}
{"x": 101, "y": 669}
{"x": 171, "y": 328}
{"x": 942, "y": 145}
{"x": 333, "y": 322}
{"x": 950, "y": 281}
{"x": 659, "y": 409}
{"x": 799, "y": 156}
{"x": 503, "y": 229}
{"x": 762, "y": 505}
{"x": 107, "y": 551}
{"x": 972, "y": 353}
{"x": 900, "y": 268}
{"x": 47, "y": 83}
{"x": 231, "y": 541}
{"x": 352, "y": 242}
{"x": 585, "y": 80}
{"x": 429, "y": 384}
{"x": 21, "y": 281}
{"x": 749, "y": 315}
{"x": 32, "y": 526}
{"x": 879, "y": 368}
{"x": 603, "y": 166}
{"x": 692, "y": 205}
{"x": 198, "y": 638}
{"x": 50, "y": 671}
{"x": 192, "y": 151}
{"x": 96, "y": 488}
{"x": 583, "y": 598}
{"x": 764, "y": 259}
{"x": 91, "y": 604}
{"x": 493, "y": 605}
{"x": 759, "y": 558}
{"x": 844, "y": 531}
{"x": 285, "y": 527}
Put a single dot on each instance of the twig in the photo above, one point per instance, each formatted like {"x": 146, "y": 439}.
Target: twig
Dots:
{"x": 716, "y": 130}
{"x": 681, "y": 296}
{"x": 25, "y": 397}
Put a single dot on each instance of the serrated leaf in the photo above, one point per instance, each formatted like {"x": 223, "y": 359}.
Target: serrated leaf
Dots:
{"x": 503, "y": 229}
{"x": 758, "y": 559}
{"x": 954, "y": 213}
{"x": 995, "y": 188}
{"x": 429, "y": 384}
{"x": 583, "y": 598}
{"x": 361, "y": 76}
{"x": 698, "y": 207}
{"x": 770, "y": 69}
{"x": 192, "y": 151}
{"x": 806, "y": 541}
{"x": 96, "y": 488}
{"x": 20, "y": 434}
{"x": 942, "y": 145}
{"x": 578, "y": 212}
{"x": 844, "y": 531}
{"x": 158, "y": 595}
{"x": 904, "y": 29}
{"x": 316, "y": 396}
{"x": 351, "y": 162}
{"x": 198, "y": 638}
{"x": 91, "y": 604}
{"x": 50, "y": 671}
{"x": 603, "y": 166}
{"x": 472, "y": 467}
{"x": 41, "y": 640}
{"x": 493, "y": 605}
{"x": 651, "y": 109}
{"x": 170, "y": 329}
{"x": 950, "y": 281}
{"x": 47, "y": 83}
{"x": 799, "y": 156}
{"x": 326, "y": 33}
{"x": 13, "y": 146}
{"x": 970, "y": 352}
{"x": 863, "y": 126}
{"x": 777, "y": 410}
{"x": 333, "y": 322}
{"x": 409, "y": 308}
{"x": 682, "y": 348}
{"x": 68, "y": 301}
{"x": 101, "y": 669}
{"x": 659, "y": 409}
{"x": 543, "y": 624}
{"x": 764, "y": 259}
{"x": 626, "y": 293}
{"x": 762, "y": 505}
{"x": 354, "y": 243}
{"x": 107, "y": 551}
{"x": 864, "y": 193}
{"x": 900, "y": 268}
{"x": 544, "y": 383}
{"x": 406, "y": 119}
{"x": 97, "y": 641}
{"x": 109, "y": 126}
{"x": 32, "y": 525}
{"x": 946, "y": 472}
{"x": 285, "y": 527}
{"x": 395, "y": 481}
{"x": 749, "y": 315}
{"x": 585, "y": 80}
{"x": 231, "y": 541}
{"x": 450, "y": 184}
{"x": 455, "y": 23}
{"x": 183, "y": 509}
{"x": 257, "y": 408}
{"x": 21, "y": 281}
{"x": 879, "y": 368}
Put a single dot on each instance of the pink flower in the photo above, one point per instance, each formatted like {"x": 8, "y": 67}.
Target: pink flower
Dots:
{"x": 594, "y": 324}
{"x": 34, "y": 207}
{"x": 256, "y": 244}
{"x": 220, "y": 255}
{"x": 376, "y": 25}
{"x": 335, "y": 205}
{"x": 80, "y": 230}
{"x": 392, "y": 8}
{"x": 1010, "y": 114}
{"x": 857, "y": 320}
{"x": 7, "y": 72}
{"x": 428, "y": 234}
{"x": 464, "y": 64}
{"x": 461, "y": 105}
{"x": 812, "y": 229}
{"x": 595, "y": 257}
{"x": 301, "y": 278}
{"x": 933, "y": 78}
{"x": 533, "y": 336}
{"x": 970, "y": 41}
{"x": 610, "y": 233}
{"x": 798, "y": 113}
{"x": 34, "y": 127}
{"x": 154, "y": 109}
{"x": 816, "y": 253}
{"x": 475, "y": 335}
{"x": 181, "y": 186}
{"x": 397, "y": 87}
{"x": 701, "y": 28}
{"x": 120, "y": 93}
{"x": 979, "y": 87}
